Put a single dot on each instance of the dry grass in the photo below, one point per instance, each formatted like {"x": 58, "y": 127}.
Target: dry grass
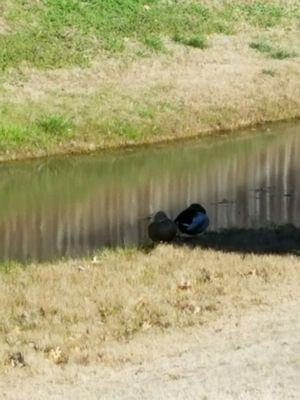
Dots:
{"x": 183, "y": 93}
{"x": 4, "y": 26}
{"x": 74, "y": 312}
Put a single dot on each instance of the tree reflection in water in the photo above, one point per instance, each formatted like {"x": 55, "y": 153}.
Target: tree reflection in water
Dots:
{"x": 71, "y": 206}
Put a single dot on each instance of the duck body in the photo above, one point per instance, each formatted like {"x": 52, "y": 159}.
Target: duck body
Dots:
{"x": 193, "y": 220}
{"x": 162, "y": 228}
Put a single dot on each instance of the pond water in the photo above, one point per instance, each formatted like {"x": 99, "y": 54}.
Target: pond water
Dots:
{"x": 70, "y": 206}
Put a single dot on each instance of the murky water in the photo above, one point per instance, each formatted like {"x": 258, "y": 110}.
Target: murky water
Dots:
{"x": 72, "y": 205}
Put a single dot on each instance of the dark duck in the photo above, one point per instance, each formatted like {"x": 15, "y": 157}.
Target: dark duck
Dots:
{"x": 162, "y": 229}
{"x": 193, "y": 220}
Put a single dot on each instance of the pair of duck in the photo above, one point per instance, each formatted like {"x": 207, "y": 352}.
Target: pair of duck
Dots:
{"x": 191, "y": 221}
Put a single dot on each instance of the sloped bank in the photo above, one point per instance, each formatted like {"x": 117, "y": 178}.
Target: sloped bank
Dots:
{"x": 184, "y": 93}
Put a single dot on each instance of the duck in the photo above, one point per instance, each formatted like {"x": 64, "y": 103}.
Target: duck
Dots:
{"x": 193, "y": 220}
{"x": 162, "y": 228}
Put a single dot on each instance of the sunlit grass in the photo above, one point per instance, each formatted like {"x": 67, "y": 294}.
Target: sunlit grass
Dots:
{"x": 52, "y": 34}
{"x": 274, "y": 51}
{"x": 193, "y": 41}
{"x": 54, "y": 125}
{"x": 82, "y": 305}
{"x": 77, "y": 75}
{"x": 44, "y": 132}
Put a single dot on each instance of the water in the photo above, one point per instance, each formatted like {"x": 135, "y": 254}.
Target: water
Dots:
{"x": 70, "y": 206}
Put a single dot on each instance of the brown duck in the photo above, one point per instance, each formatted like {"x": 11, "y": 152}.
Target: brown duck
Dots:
{"x": 162, "y": 229}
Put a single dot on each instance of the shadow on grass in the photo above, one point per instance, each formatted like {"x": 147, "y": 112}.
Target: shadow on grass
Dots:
{"x": 283, "y": 239}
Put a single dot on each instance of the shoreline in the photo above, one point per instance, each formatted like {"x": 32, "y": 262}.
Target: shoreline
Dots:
{"x": 152, "y": 144}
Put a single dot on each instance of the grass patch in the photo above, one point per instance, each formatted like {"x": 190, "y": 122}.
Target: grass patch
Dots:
{"x": 42, "y": 133}
{"x": 267, "y": 47}
{"x": 123, "y": 129}
{"x": 46, "y": 49}
{"x": 14, "y": 136}
{"x": 281, "y": 54}
{"x": 82, "y": 305}
{"x": 154, "y": 43}
{"x": 269, "y": 72}
{"x": 50, "y": 34}
{"x": 8, "y": 266}
{"x": 108, "y": 36}
{"x": 114, "y": 45}
{"x": 54, "y": 125}
{"x": 193, "y": 41}
{"x": 265, "y": 14}
{"x": 131, "y": 119}
{"x": 262, "y": 46}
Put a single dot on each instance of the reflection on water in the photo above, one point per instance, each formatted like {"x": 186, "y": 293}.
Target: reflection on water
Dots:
{"x": 74, "y": 205}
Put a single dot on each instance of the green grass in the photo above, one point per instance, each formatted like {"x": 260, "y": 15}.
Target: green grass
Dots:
{"x": 274, "y": 51}
{"x": 122, "y": 128}
{"x": 269, "y": 72}
{"x": 6, "y": 267}
{"x": 55, "y": 125}
{"x": 281, "y": 53}
{"x": 154, "y": 42}
{"x": 193, "y": 41}
{"x": 264, "y": 15}
{"x": 54, "y": 34}
{"x": 43, "y": 132}
{"x": 38, "y": 125}
{"x": 49, "y": 34}
{"x": 261, "y": 46}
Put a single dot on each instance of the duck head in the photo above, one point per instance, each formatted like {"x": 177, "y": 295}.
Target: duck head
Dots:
{"x": 197, "y": 207}
{"x": 160, "y": 216}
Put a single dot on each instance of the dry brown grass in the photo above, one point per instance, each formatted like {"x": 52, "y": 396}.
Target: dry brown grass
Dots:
{"x": 183, "y": 93}
{"x": 4, "y": 26}
{"x": 78, "y": 311}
